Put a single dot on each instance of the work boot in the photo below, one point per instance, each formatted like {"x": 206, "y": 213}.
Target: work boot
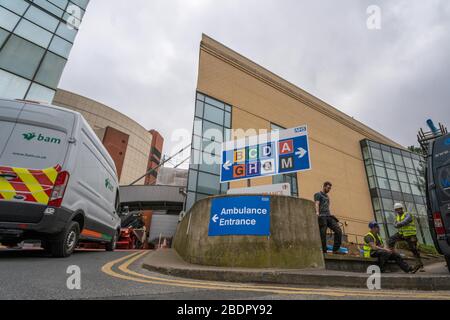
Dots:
{"x": 414, "y": 269}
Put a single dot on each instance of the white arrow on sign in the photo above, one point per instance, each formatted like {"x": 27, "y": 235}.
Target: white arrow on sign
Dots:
{"x": 227, "y": 165}
{"x": 215, "y": 218}
{"x": 301, "y": 153}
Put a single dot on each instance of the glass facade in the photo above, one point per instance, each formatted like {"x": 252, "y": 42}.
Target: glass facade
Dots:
{"x": 36, "y": 37}
{"x": 212, "y": 124}
{"x": 396, "y": 175}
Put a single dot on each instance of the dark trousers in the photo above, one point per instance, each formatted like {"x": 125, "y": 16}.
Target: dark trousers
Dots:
{"x": 412, "y": 244}
{"x": 384, "y": 256}
{"x": 330, "y": 222}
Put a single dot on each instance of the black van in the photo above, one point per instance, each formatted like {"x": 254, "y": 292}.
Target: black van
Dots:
{"x": 438, "y": 193}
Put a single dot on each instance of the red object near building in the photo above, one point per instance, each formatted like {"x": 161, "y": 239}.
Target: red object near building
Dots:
{"x": 154, "y": 157}
{"x": 127, "y": 239}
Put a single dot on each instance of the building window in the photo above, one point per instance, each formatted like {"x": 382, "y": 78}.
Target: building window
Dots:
{"x": 8, "y": 20}
{"x": 212, "y": 123}
{"x": 395, "y": 175}
{"x": 21, "y": 57}
{"x": 12, "y": 86}
{"x": 28, "y": 31}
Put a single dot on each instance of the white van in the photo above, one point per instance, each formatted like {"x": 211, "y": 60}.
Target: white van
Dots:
{"x": 58, "y": 184}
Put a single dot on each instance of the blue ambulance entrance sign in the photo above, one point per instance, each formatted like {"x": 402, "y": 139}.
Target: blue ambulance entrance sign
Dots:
{"x": 245, "y": 216}
{"x": 279, "y": 152}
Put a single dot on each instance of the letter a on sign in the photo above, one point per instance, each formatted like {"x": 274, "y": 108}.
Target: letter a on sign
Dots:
{"x": 286, "y": 147}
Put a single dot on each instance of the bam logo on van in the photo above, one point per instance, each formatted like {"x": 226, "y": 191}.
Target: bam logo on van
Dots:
{"x": 41, "y": 138}
{"x": 109, "y": 185}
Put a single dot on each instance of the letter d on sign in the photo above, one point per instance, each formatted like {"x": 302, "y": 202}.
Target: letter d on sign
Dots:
{"x": 374, "y": 280}
{"x": 74, "y": 280}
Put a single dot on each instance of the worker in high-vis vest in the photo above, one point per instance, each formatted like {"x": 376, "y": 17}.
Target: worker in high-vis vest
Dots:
{"x": 406, "y": 226}
{"x": 374, "y": 248}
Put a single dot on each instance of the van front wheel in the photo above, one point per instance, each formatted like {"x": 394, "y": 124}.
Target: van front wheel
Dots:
{"x": 447, "y": 259}
{"x": 66, "y": 242}
{"x": 111, "y": 246}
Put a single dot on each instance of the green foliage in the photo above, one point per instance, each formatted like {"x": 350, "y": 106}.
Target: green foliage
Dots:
{"x": 415, "y": 149}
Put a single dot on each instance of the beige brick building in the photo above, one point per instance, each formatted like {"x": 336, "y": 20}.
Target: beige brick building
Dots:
{"x": 258, "y": 99}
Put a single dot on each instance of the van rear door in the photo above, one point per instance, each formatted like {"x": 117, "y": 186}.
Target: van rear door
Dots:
{"x": 441, "y": 168}
{"x": 35, "y": 153}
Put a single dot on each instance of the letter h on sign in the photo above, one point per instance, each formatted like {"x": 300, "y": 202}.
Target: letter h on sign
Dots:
{"x": 254, "y": 168}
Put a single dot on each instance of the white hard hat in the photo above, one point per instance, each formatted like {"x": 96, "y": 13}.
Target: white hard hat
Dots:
{"x": 398, "y": 206}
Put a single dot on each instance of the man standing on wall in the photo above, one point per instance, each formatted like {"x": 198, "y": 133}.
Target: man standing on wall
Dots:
{"x": 326, "y": 220}
{"x": 406, "y": 225}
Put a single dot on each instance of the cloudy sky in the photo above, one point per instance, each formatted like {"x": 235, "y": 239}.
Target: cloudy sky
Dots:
{"x": 141, "y": 56}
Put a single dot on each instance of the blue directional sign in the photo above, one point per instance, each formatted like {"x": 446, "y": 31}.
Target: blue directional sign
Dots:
{"x": 244, "y": 216}
{"x": 279, "y": 152}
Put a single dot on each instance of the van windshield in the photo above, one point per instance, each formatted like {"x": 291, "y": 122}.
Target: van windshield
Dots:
{"x": 34, "y": 147}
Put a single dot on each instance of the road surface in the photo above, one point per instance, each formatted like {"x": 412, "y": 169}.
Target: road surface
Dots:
{"x": 30, "y": 274}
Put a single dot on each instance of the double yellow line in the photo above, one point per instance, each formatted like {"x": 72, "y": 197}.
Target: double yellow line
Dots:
{"x": 123, "y": 265}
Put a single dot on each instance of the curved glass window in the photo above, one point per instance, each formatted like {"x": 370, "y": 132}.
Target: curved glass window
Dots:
{"x": 21, "y": 57}
{"x": 8, "y": 20}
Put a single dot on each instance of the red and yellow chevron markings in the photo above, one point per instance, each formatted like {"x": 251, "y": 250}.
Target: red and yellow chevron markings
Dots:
{"x": 30, "y": 184}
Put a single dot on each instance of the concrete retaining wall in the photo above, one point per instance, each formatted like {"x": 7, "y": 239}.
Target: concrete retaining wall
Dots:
{"x": 294, "y": 242}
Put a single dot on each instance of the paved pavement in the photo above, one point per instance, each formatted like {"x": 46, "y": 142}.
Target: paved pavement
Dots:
{"x": 169, "y": 262}
{"x": 29, "y": 274}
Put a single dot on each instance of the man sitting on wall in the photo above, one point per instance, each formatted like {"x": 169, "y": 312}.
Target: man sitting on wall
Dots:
{"x": 326, "y": 220}
{"x": 374, "y": 248}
